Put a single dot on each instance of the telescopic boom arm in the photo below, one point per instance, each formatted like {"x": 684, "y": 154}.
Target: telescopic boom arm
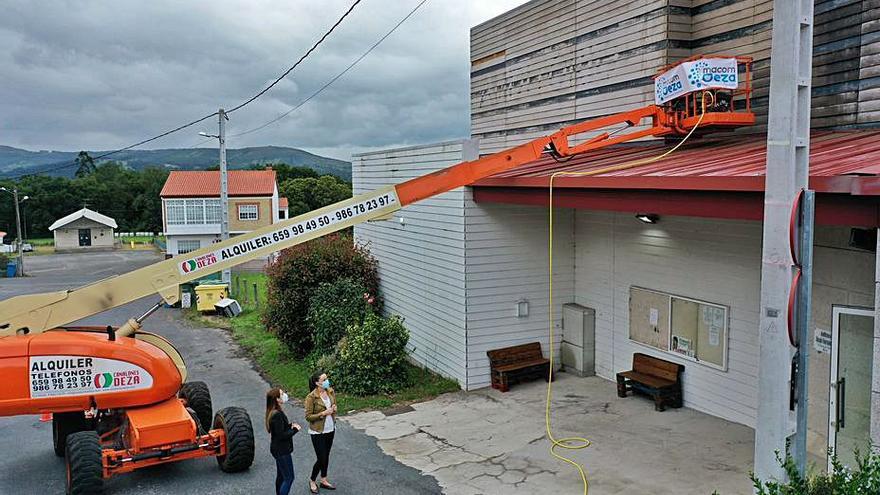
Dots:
{"x": 37, "y": 313}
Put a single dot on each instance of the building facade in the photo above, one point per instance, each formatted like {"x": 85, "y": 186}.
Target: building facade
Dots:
{"x": 191, "y": 210}
{"x": 685, "y": 288}
{"x": 83, "y": 230}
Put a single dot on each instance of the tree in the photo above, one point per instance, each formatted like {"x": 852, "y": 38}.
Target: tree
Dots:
{"x": 284, "y": 171}
{"x": 307, "y": 194}
{"x": 85, "y": 165}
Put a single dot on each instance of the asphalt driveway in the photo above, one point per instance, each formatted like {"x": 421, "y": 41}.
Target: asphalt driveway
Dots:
{"x": 28, "y": 465}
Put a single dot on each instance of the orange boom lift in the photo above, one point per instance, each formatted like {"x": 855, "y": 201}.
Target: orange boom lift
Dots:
{"x": 119, "y": 396}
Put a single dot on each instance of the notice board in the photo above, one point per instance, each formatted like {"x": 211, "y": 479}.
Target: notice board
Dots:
{"x": 649, "y": 317}
{"x": 697, "y": 330}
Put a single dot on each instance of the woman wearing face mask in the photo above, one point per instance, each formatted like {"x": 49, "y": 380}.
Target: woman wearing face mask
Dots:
{"x": 281, "y": 446}
{"x": 320, "y": 408}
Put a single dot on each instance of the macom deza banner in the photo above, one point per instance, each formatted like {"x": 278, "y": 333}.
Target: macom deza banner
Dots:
{"x": 694, "y": 76}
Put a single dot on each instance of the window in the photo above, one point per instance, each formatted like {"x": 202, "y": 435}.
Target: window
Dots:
{"x": 175, "y": 212}
{"x": 282, "y": 214}
{"x": 248, "y": 212}
{"x": 185, "y": 246}
{"x": 195, "y": 211}
{"x": 683, "y": 326}
{"x": 192, "y": 211}
{"x": 212, "y": 211}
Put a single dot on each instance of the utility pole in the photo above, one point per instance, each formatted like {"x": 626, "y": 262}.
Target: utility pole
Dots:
{"x": 20, "y": 239}
{"x": 18, "y": 233}
{"x": 224, "y": 190}
{"x": 781, "y": 379}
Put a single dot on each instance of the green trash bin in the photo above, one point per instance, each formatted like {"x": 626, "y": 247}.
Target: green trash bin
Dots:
{"x": 188, "y": 294}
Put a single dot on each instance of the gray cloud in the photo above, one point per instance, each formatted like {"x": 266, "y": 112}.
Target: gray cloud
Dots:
{"x": 98, "y": 75}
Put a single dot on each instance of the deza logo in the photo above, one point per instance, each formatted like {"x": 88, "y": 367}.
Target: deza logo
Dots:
{"x": 198, "y": 263}
{"x": 702, "y": 74}
{"x": 668, "y": 85}
{"x": 104, "y": 380}
{"x": 123, "y": 379}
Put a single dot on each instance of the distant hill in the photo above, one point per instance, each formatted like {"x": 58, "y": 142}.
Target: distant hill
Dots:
{"x": 15, "y": 161}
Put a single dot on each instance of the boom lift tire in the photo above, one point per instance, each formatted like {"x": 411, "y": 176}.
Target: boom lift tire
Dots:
{"x": 84, "y": 464}
{"x": 239, "y": 439}
{"x": 198, "y": 398}
{"x": 65, "y": 424}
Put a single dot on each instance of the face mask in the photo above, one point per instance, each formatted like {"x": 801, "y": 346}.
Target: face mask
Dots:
{"x": 284, "y": 397}
{"x": 326, "y": 384}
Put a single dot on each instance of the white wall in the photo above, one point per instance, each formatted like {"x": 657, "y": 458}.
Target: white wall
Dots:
{"x": 172, "y": 241}
{"x": 717, "y": 261}
{"x": 67, "y": 237}
{"x": 421, "y": 261}
{"x": 507, "y": 260}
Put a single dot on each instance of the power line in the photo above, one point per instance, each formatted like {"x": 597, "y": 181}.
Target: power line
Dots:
{"x": 194, "y": 122}
{"x": 305, "y": 55}
{"x": 337, "y": 76}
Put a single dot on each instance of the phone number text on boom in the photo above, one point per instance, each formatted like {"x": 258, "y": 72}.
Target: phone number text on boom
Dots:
{"x": 307, "y": 226}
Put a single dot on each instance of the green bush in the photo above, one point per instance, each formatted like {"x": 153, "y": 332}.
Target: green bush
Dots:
{"x": 371, "y": 359}
{"x": 333, "y": 307}
{"x": 327, "y": 363}
{"x": 298, "y": 273}
{"x": 862, "y": 479}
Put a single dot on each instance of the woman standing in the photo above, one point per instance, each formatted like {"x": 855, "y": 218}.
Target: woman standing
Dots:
{"x": 320, "y": 407}
{"x": 281, "y": 446}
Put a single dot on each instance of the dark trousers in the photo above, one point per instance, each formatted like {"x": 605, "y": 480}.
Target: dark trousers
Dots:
{"x": 284, "y": 475}
{"x": 322, "y": 443}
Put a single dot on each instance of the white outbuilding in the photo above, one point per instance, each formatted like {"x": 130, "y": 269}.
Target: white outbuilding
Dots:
{"x": 83, "y": 230}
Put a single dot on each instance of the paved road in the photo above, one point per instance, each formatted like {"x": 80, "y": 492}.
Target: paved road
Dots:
{"x": 28, "y": 465}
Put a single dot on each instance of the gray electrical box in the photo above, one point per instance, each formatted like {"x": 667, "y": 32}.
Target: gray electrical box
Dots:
{"x": 579, "y": 339}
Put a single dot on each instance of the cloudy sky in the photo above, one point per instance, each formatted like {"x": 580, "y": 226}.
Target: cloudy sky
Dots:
{"x": 103, "y": 74}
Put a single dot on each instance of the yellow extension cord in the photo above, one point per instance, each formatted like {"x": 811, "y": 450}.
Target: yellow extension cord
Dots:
{"x": 578, "y": 443}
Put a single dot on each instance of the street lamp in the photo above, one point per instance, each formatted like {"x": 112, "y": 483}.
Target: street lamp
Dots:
{"x": 19, "y": 240}
{"x": 224, "y": 194}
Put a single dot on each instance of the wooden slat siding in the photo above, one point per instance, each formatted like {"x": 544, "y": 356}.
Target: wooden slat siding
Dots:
{"x": 615, "y": 252}
{"x": 846, "y": 64}
{"x": 506, "y": 261}
{"x": 869, "y": 64}
{"x": 490, "y": 35}
{"x": 421, "y": 263}
{"x": 539, "y": 68}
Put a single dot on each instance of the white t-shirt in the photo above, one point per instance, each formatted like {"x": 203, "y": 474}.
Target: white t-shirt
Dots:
{"x": 328, "y": 420}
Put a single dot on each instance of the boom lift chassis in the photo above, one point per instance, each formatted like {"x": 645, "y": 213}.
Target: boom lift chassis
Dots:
{"x": 119, "y": 396}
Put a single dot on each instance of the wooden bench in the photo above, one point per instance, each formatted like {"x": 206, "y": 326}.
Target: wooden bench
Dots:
{"x": 517, "y": 363}
{"x": 659, "y": 379}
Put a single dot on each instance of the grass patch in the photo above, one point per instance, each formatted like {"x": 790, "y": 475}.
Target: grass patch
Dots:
{"x": 243, "y": 289}
{"x": 140, "y": 239}
{"x": 291, "y": 374}
{"x": 46, "y": 241}
{"x": 40, "y": 249}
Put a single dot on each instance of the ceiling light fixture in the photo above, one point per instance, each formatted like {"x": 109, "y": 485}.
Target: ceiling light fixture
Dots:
{"x": 648, "y": 217}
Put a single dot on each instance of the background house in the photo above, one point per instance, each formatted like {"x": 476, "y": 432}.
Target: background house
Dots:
{"x": 191, "y": 209}
{"x": 83, "y": 230}
{"x": 458, "y": 266}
